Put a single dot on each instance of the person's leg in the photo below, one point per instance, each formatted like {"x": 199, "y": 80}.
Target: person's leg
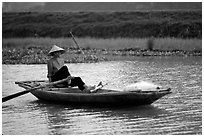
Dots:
{"x": 77, "y": 81}
{"x": 62, "y": 73}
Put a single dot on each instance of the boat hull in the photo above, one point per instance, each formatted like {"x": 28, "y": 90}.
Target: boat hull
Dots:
{"x": 111, "y": 98}
{"x": 101, "y": 97}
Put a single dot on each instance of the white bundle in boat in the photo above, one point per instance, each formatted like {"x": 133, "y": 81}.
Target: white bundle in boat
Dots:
{"x": 141, "y": 86}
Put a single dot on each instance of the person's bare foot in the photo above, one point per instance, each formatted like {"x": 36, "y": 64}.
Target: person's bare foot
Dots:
{"x": 89, "y": 88}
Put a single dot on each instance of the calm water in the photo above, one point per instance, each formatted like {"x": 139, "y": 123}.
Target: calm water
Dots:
{"x": 176, "y": 113}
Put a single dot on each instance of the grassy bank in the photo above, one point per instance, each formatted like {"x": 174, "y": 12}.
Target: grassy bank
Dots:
{"x": 34, "y": 50}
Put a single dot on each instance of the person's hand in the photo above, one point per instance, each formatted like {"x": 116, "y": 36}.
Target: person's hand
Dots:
{"x": 69, "y": 77}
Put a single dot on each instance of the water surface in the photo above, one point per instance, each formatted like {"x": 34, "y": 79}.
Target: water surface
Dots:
{"x": 176, "y": 113}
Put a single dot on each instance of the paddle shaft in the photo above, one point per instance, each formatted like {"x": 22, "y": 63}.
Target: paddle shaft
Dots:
{"x": 76, "y": 42}
{"x": 29, "y": 90}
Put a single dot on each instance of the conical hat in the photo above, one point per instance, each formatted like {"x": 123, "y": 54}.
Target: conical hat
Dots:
{"x": 55, "y": 48}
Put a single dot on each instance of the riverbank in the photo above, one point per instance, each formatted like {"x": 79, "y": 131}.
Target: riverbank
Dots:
{"x": 35, "y": 50}
{"x": 37, "y": 55}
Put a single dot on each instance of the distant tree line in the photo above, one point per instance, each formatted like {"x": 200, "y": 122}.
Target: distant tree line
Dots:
{"x": 182, "y": 24}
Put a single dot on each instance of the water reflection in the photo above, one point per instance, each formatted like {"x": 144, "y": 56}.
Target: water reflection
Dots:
{"x": 63, "y": 119}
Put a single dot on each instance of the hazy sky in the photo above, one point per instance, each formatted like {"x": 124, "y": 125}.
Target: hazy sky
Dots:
{"x": 76, "y": 6}
{"x": 19, "y": 6}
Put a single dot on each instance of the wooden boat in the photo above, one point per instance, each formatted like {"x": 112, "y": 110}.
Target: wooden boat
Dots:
{"x": 101, "y": 97}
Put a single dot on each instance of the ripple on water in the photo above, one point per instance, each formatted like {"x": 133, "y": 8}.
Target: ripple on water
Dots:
{"x": 179, "y": 113}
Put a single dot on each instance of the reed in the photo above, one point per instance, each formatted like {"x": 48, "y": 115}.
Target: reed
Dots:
{"x": 178, "y": 44}
{"x": 109, "y": 44}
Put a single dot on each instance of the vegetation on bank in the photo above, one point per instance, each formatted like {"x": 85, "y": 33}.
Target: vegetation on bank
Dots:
{"x": 35, "y": 50}
{"x": 109, "y": 44}
{"x": 28, "y": 36}
{"x": 130, "y": 24}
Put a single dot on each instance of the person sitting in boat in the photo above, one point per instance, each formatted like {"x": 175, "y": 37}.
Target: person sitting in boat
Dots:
{"x": 57, "y": 70}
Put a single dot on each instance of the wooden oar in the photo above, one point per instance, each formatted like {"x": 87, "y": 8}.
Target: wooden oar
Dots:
{"x": 29, "y": 90}
{"x": 76, "y": 42}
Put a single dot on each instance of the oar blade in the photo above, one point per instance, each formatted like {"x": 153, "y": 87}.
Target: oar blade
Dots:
{"x": 4, "y": 99}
